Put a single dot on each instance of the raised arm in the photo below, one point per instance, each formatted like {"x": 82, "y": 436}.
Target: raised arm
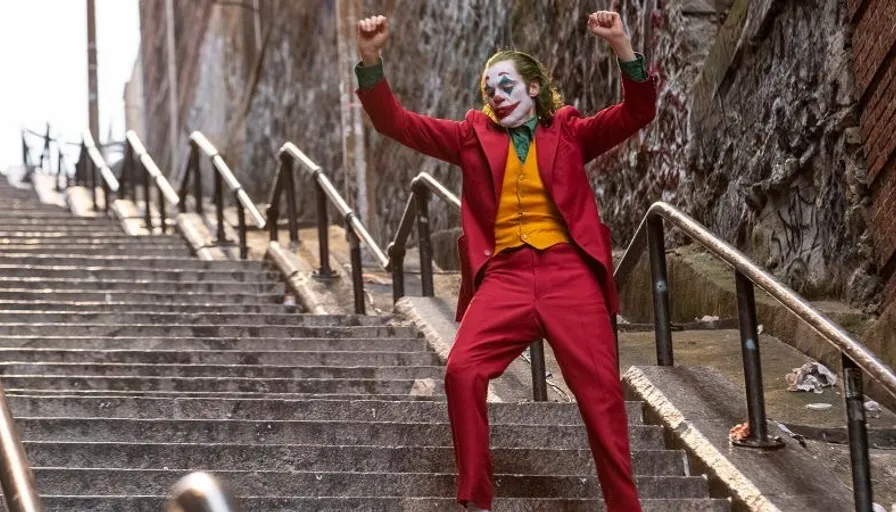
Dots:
{"x": 438, "y": 138}
{"x": 607, "y": 128}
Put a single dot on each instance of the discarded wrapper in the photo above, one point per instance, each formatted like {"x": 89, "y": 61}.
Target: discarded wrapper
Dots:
{"x": 872, "y": 408}
{"x": 811, "y": 376}
{"x": 739, "y": 432}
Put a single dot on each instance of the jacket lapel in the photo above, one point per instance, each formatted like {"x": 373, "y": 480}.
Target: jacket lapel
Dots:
{"x": 495, "y": 143}
{"x": 546, "y": 142}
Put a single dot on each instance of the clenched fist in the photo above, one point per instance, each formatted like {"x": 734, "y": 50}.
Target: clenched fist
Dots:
{"x": 373, "y": 32}
{"x": 607, "y": 25}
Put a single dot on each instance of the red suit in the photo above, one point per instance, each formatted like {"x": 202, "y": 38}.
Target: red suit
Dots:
{"x": 565, "y": 293}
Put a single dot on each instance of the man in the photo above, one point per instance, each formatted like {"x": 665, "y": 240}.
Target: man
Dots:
{"x": 535, "y": 257}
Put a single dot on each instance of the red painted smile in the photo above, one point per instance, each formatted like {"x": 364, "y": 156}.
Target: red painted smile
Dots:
{"x": 502, "y": 112}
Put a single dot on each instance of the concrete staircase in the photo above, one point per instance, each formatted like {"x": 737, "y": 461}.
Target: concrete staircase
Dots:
{"x": 128, "y": 364}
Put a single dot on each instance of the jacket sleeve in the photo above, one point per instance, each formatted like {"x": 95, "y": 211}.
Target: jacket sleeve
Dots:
{"x": 598, "y": 133}
{"x": 438, "y": 138}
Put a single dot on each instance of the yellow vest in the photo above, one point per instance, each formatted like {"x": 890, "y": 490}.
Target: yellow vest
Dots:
{"x": 526, "y": 212}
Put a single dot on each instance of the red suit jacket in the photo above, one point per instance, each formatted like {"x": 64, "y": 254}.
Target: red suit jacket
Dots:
{"x": 479, "y": 146}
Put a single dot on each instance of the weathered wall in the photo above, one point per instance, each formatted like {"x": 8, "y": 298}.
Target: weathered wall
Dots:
{"x": 874, "y": 43}
{"x": 756, "y": 134}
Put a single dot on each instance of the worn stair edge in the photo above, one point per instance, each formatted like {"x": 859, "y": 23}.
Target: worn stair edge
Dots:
{"x": 312, "y": 293}
{"x": 697, "y": 406}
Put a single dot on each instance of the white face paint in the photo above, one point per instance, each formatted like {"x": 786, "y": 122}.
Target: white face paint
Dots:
{"x": 507, "y": 94}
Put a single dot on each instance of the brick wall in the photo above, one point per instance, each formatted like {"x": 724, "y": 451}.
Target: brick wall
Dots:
{"x": 874, "y": 50}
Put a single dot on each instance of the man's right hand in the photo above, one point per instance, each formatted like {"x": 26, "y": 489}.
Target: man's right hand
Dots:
{"x": 373, "y": 32}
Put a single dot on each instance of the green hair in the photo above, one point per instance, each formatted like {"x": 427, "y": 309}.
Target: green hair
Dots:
{"x": 548, "y": 100}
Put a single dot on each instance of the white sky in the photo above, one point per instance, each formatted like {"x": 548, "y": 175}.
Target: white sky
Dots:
{"x": 43, "y": 68}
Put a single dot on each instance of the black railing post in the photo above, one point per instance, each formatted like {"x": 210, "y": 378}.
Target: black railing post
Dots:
{"x": 162, "y": 217}
{"x": 539, "y": 380}
{"x": 354, "y": 244}
{"x": 219, "y": 208}
{"x": 287, "y": 165}
{"x": 59, "y": 170}
{"x": 197, "y": 180}
{"x": 656, "y": 246}
{"x": 241, "y": 225}
{"x": 147, "y": 202}
{"x": 323, "y": 232}
{"x": 396, "y": 260}
{"x": 126, "y": 173}
{"x": 107, "y": 195}
{"x": 614, "y": 321}
{"x": 858, "y": 435}
{"x": 421, "y": 196}
{"x": 749, "y": 340}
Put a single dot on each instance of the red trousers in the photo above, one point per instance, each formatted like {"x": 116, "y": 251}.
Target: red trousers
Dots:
{"x": 527, "y": 294}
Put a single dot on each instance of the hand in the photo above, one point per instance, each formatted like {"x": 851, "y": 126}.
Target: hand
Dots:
{"x": 607, "y": 25}
{"x": 373, "y": 32}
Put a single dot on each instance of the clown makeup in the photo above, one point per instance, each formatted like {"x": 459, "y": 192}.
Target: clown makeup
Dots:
{"x": 507, "y": 94}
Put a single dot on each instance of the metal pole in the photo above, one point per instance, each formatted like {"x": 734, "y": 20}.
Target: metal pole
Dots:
{"x": 16, "y": 477}
{"x": 396, "y": 259}
{"x": 539, "y": 383}
{"x": 288, "y": 166}
{"x": 357, "y": 277}
{"x": 241, "y": 224}
{"x": 162, "y": 217}
{"x": 173, "y": 103}
{"x": 197, "y": 181}
{"x": 92, "y": 92}
{"x": 749, "y": 339}
{"x": 614, "y": 321}
{"x": 858, "y": 435}
{"x": 421, "y": 195}
{"x": 147, "y": 211}
{"x": 91, "y": 166}
{"x": 107, "y": 195}
{"x": 126, "y": 173}
{"x": 219, "y": 207}
{"x": 323, "y": 232}
{"x": 656, "y": 247}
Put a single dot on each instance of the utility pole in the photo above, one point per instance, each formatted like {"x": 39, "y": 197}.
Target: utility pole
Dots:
{"x": 172, "y": 86}
{"x": 92, "y": 93}
{"x": 354, "y": 157}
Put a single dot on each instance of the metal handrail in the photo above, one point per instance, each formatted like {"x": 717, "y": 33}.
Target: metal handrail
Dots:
{"x": 16, "y": 477}
{"x": 856, "y": 358}
{"x": 356, "y": 232}
{"x": 89, "y": 160}
{"x": 200, "y": 143}
{"x": 422, "y": 187}
{"x": 200, "y": 492}
{"x": 135, "y": 155}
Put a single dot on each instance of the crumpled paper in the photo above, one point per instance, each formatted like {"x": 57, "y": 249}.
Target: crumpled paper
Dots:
{"x": 811, "y": 376}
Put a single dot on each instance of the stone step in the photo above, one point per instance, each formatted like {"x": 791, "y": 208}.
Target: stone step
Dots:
{"x": 140, "y": 296}
{"x": 643, "y": 437}
{"x": 142, "y": 503}
{"x": 156, "y": 262}
{"x": 125, "y": 307}
{"x": 123, "y": 273}
{"x": 140, "y": 284}
{"x": 197, "y": 330}
{"x": 117, "y": 240}
{"x": 217, "y": 345}
{"x": 73, "y": 225}
{"x": 101, "y": 236}
{"x": 57, "y": 215}
{"x": 327, "y": 458}
{"x": 214, "y": 395}
{"x": 214, "y": 384}
{"x": 74, "y": 318}
{"x": 96, "y": 249}
{"x": 529, "y": 413}
{"x": 248, "y": 357}
{"x": 186, "y": 371}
